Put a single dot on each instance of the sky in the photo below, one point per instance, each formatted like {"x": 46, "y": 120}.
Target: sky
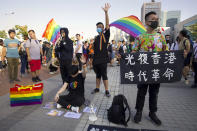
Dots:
{"x": 79, "y": 16}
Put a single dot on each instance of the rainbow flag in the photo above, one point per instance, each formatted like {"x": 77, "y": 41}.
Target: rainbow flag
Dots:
{"x": 52, "y": 31}
{"x": 131, "y": 25}
{"x": 26, "y": 95}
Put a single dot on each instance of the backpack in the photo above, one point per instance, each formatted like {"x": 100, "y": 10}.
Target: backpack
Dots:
{"x": 191, "y": 47}
{"x": 37, "y": 42}
{"x": 116, "y": 113}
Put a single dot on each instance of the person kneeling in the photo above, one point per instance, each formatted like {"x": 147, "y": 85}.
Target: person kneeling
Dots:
{"x": 75, "y": 98}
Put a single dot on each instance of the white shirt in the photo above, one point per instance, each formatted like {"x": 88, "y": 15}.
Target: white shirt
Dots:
{"x": 174, "y": 46}
{"x": 124, "y": 48}
{"x": 79, "y": 42}
{"x": 23, "y": 46}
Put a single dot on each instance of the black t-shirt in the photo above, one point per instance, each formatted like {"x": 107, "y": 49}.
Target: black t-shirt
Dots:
{"x": 76, "y": 85}
{"x": 101, "y": 56}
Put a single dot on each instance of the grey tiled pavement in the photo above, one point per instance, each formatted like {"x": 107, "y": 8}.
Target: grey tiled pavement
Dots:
{"x": 177, "y": 108}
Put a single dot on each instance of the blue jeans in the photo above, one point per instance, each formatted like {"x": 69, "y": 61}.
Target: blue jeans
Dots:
{"x": 23, "y": 63}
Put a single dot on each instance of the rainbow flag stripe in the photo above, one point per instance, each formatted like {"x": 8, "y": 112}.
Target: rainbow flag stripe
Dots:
{"x": 52, "y": 31}
{"x": 131, "y": 25}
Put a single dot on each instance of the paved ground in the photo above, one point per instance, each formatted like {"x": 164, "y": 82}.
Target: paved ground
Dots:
{"x": 177, "y": 108}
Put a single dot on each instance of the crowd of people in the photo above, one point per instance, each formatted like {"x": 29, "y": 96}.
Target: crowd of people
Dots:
{"x": 74, "y": 57}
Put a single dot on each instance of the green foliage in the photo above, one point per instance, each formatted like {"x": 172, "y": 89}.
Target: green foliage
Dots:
{"x": 21, "y": 31}
{"x": 3, "y": 34}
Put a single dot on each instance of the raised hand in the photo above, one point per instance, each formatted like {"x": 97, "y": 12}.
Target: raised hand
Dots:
{"x": 106, "y": 8}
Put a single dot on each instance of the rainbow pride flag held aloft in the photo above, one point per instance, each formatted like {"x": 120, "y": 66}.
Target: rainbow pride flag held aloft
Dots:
{"x": 26, "y": 95}
{"x": 131, "y": 25}
{"x": 52, "y": 31}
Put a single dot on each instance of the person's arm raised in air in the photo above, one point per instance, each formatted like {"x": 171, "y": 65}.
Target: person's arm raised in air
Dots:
{"x": 61, "y": 90}
{"x": 106, "y": 8}
{"x": 84, "y": 71}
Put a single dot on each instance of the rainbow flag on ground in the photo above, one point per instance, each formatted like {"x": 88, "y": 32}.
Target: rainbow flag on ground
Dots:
{"x": 26, "y": 95}
{"x": 131, "y": 25}
{"x": 52, "y": 31}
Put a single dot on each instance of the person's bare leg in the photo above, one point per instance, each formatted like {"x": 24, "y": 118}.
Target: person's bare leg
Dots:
{"x": 111, "y": 63}
{"x": 185, "y": 73}
{"x": 37, "y": 73}
{"x": 98, "y": 82}
{"x": 33, "y": 74}
{"x": 91, "y": 60}
{"x": 105, "y": 82}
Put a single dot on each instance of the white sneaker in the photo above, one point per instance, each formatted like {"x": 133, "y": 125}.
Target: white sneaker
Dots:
{"x": 75, "y": 109}
{"x": 59, "y": 106}
{"x": 187, "y": 82}
{"x": 51, "y": 73}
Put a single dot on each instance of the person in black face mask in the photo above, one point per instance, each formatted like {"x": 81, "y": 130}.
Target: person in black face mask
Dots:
{"x": 150, "y": 41}
{"x": 64, "y": 52}
{"x": 101, "y": 58}
{"x": 75, "y": 97}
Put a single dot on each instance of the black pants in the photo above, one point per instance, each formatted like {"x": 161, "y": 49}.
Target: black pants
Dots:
{"x": 153, "y": 96}
{"x": 195, "y": 71}
{"x": 65, "y": 67}
{"x": 71, "y": 99}
{"x": 78, "y": 55}
{"x": 101, "y": 71}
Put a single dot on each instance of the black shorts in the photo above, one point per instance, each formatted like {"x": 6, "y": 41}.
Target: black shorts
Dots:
{"x": 101, "y": 71}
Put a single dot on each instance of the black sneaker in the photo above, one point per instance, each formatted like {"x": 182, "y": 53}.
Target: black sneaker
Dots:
{"x": 38, "y": 79}
{"x": 138, "y": 117}
{"x": 17, "y": 80}
{"x": 155, "y": 119}
{"x": 107, "y": 93}
{"x": 34, "y": 79}
{"x": 96, "y": 90}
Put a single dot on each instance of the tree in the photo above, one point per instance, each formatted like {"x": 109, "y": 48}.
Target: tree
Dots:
{"x": 21, "y": 31}
{"x": 3, "y": 34}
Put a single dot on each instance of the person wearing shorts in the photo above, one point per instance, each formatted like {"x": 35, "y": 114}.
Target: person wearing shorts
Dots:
{"x": 34, "y": 52}
{"x": 101, "y": 57}
{"x": 184, "y": 44}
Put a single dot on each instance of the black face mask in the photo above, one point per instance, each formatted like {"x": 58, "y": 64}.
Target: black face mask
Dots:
{"x": 154, "y": 24}
{"x": 74, "y": 69}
